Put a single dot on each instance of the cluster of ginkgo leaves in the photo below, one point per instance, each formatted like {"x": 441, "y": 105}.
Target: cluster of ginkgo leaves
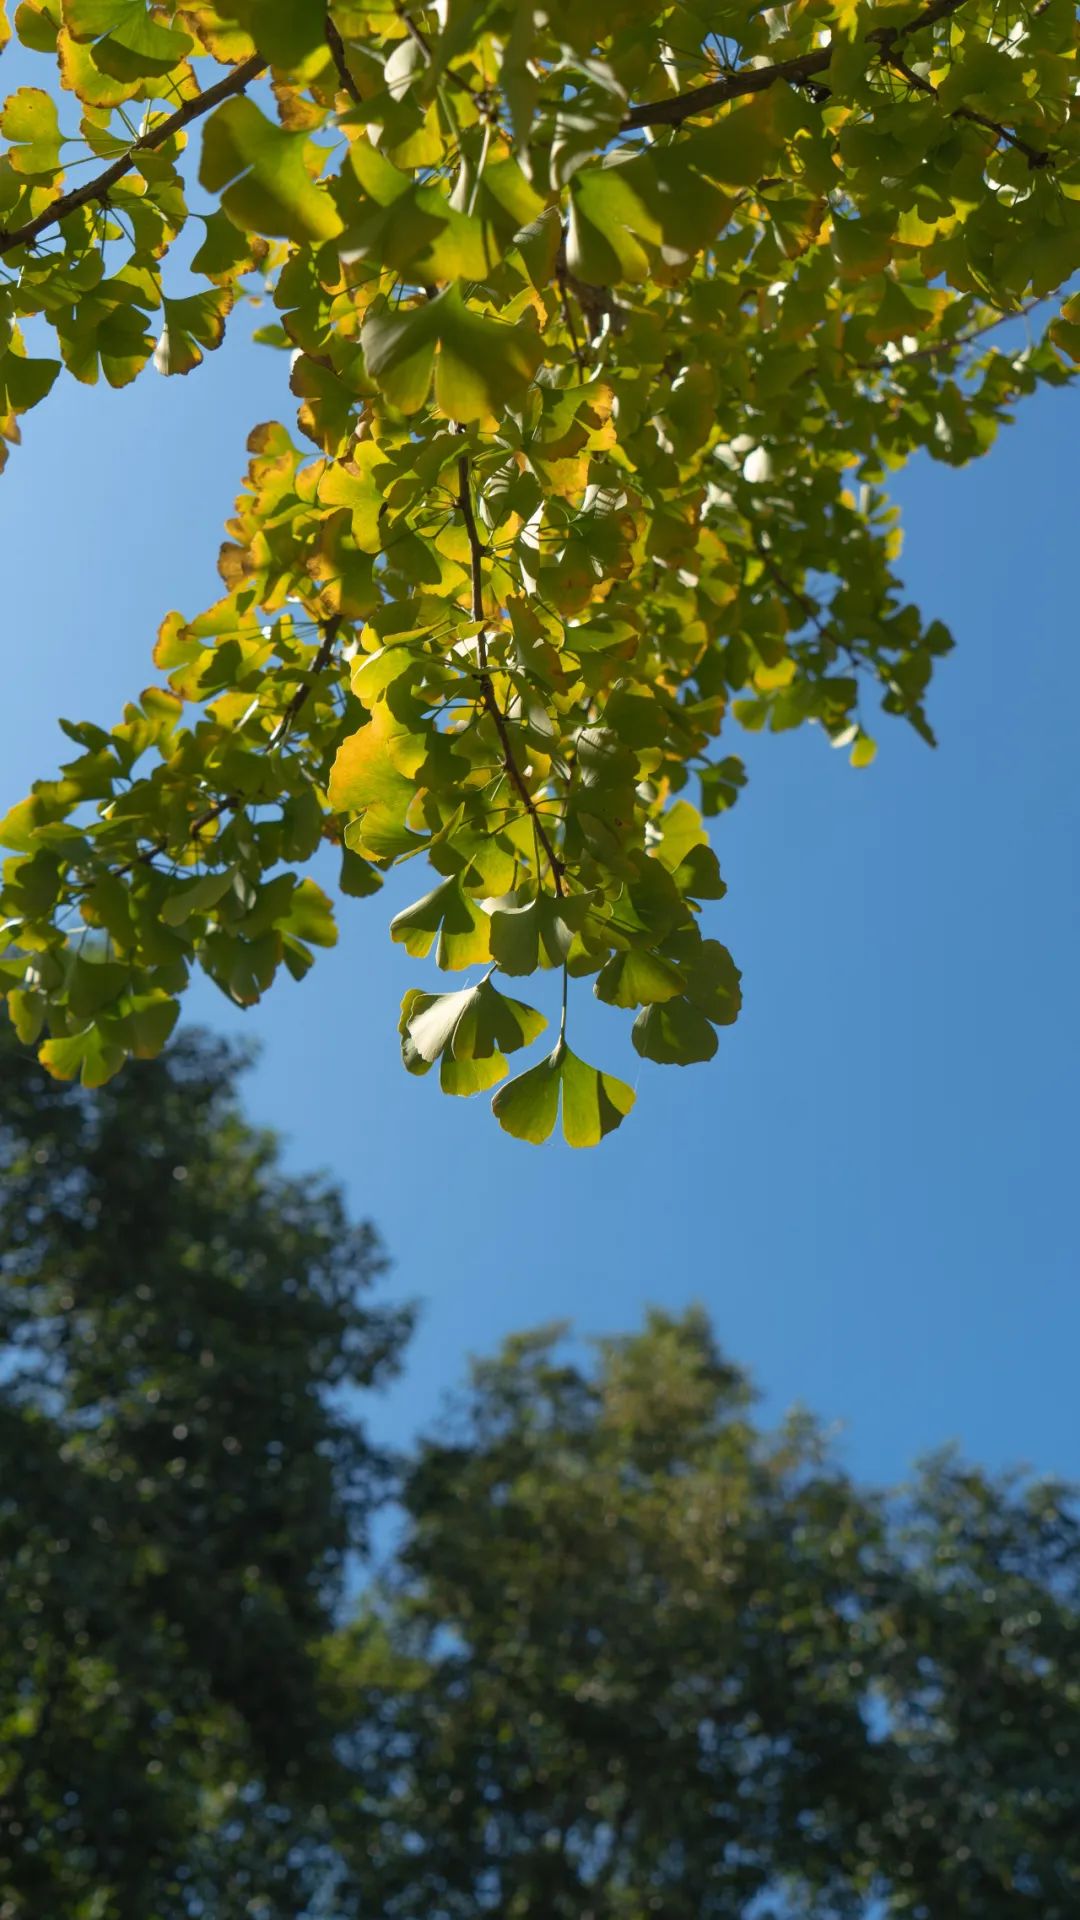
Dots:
{"x": 607, "y": 319}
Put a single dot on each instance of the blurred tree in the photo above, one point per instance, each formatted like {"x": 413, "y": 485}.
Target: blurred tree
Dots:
{"x": 636, "y": 1656}
{"x": 645, "y": 1659}
{"x": 180, "y": 1485}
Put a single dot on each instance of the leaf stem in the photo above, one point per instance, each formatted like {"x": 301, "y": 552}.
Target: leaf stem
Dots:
{"x": 565, "y": 997}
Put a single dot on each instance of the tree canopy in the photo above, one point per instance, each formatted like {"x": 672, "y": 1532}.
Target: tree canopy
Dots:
{"x": 181, "y": 1487}
{"x": 634, "y": 1652}
{"x": 607, "y": 324}
{"x": 644, "y": 1657}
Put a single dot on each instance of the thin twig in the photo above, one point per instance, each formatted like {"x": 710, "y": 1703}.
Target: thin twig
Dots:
{"x": 337, "y": 53}
{"x": 420, "y": 39}
{"x": 1036, "y": 156}
{"x": 302, "y": 694}
{"x": 954, "y": 342}
{"x": 807, "y": 607}
{"x": 568, "y": 321}
{"x": 231, "y": 800}
{"x": 487, "y": 691}
{"x": 155, "y": 137}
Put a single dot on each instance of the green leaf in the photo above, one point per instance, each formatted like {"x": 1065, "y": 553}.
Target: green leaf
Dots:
{"x": 739, "y": 146}
{"x": 191, "y": 324}
{"x": 358, "y": 878}
{"x": 146, "y": 1023}
{"x": 129, "y": 42}
{"x": 593, "y": 1103}
{"x": 528, "y": 1106}
{"x": 196, "y": 896}
{"x": 469, "y": 1033}
{"x": 310, "y": 915}
{"x": 463, "y": 928}
{"x": 260, "y": 172}
{"x": 622, "y": 212}
{"x": 24, "y": 382}
{"x": 27, "y": 1011}
{"x": 86, "y": 1055}
{"x": 479, "y": 365}
{"x": 286, "y": 32}
{"x": 95, "y": 984}
{"x": 418, "y": 231}
{"x": 368, "y": 770}
{"x": 675, "y": 1034}
{"x": 28, "y": 120}
{"x": 637, "y": 978}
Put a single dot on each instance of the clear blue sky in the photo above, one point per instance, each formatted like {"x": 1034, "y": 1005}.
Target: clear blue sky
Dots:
{"x": 873, "y": 1187}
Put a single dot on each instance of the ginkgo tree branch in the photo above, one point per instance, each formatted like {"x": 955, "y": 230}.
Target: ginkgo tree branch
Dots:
{"x": 1035, "y": 156}
{"x": 954, "y": 342}
{"x": 337, "y": 54}
{"x": 487, "y": 691}
{"x": 420, "y": 40}
{"x": 303, "y": 692}
{"x": 734, "y": 86}
{"x": 156, "y": 136}
{"x": 229, "y": 801}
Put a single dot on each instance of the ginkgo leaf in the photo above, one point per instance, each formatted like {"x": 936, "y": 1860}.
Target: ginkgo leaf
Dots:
{"x": 469, "y": 1033}
{"x": 411, "y": 226}
{"x": 539, "y": 933}
{"x": 674, "y": 1034}
{"x": 478, "y": 364}
{"x": 368, "y": 767}
{"x": 146, "y": 1021}
{"x": 528, "y": 1106}
{"x": 195, "y": 896}
{"x": 86, "y": 1055}
{"x": 29, "y": 121}
{"x": 191, "y": 324}
{"x": 637, "y": 978}
{"x": 621, "y": 211}
{"x": 459, "y": 922}
{"x": 261, "y": 174}
{"x": 593, "y": 1103}
{"x": 287, "y": 32}
{"x": 95, "y": 984}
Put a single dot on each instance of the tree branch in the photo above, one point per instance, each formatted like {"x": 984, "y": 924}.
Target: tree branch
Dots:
{"x": 98, "y": 189}
{"x": 337, "y": 54}
{"x": 228, "y": 801}
{"x": 303, "y": 692}
{"x": 568, "y": 319}
{"x": 1036, "y": 156}
{"x": 487, "y": 691}
{"x": 420, "y": 39}
{"x": 809, "y": 609}
{"x": 953, "y": 342}
{"x": 717, "y": 93}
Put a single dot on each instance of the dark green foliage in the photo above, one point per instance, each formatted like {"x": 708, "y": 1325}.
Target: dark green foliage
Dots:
{"x": 179, "y": 1493}
{"x": 636, "y": 1656}
{"x": 645, "y": 1659}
